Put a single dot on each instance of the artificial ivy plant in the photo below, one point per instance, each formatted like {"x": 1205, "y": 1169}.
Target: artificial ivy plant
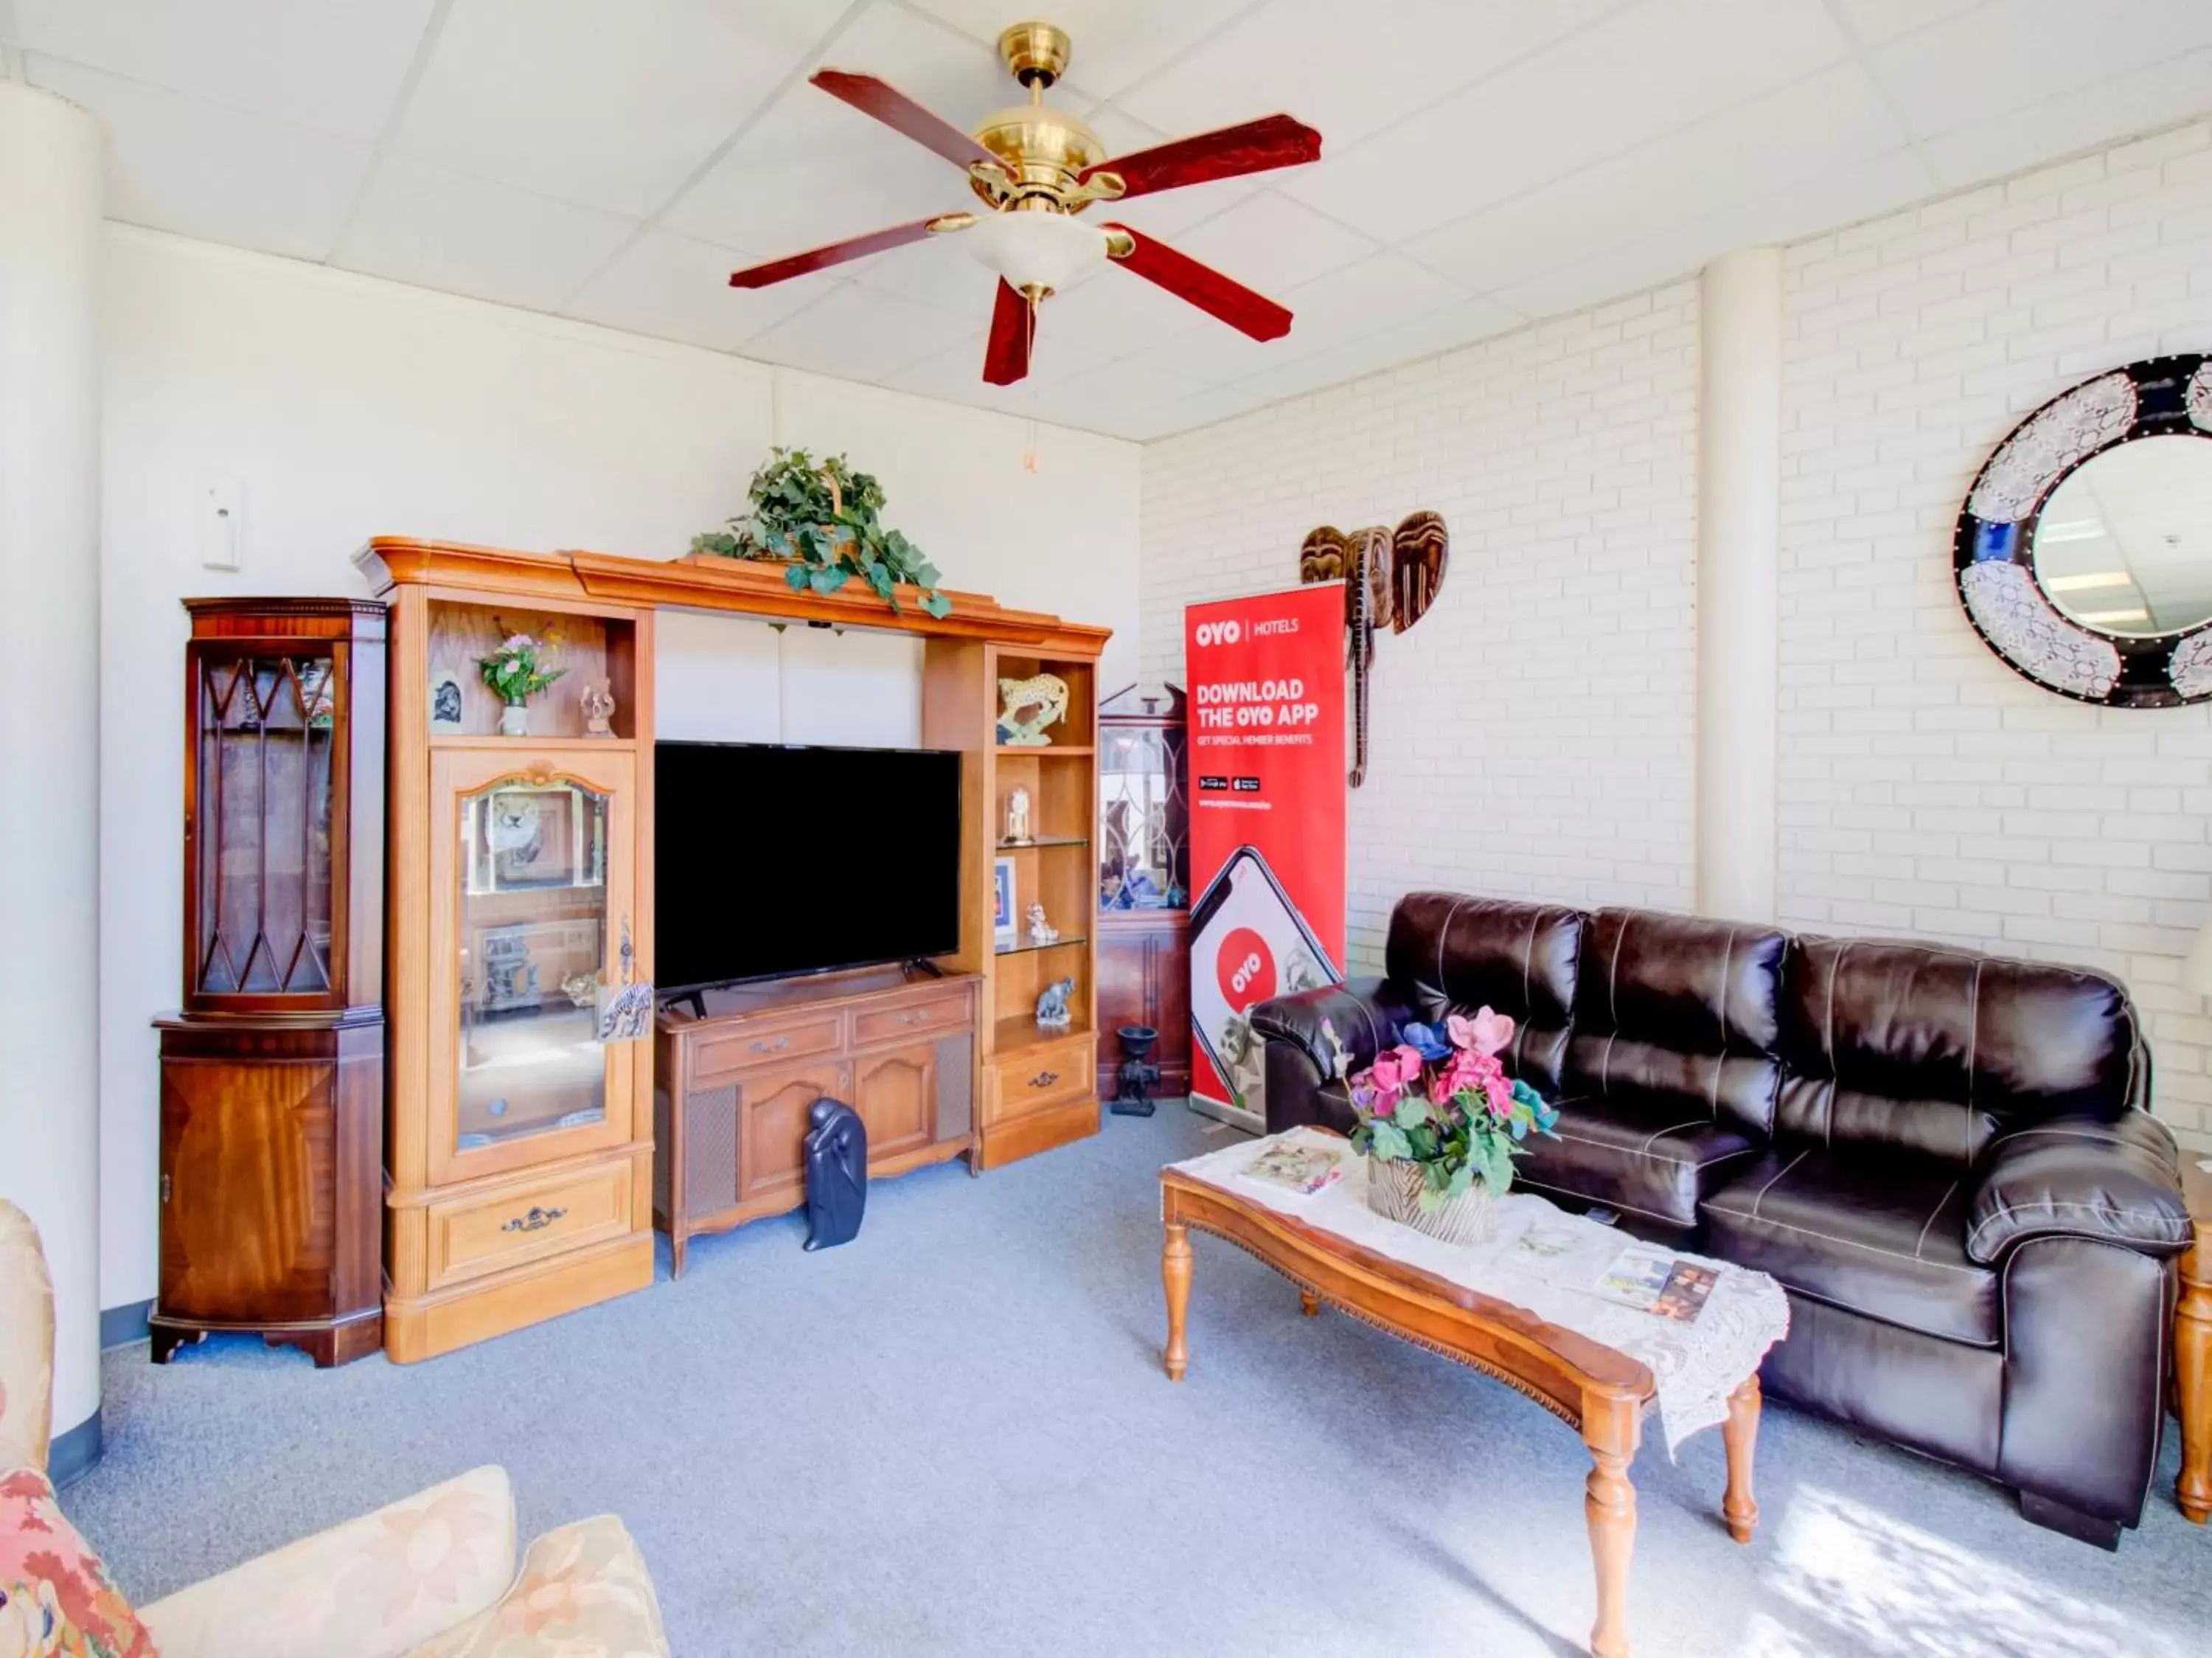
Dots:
{"x": 822, "y": 516}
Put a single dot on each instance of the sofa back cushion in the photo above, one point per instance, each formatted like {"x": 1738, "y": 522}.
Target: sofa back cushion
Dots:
{"x": 1935, "y": 1051}
{"x": 1450, "y": 953}
{"x": 1679, "y": 1017}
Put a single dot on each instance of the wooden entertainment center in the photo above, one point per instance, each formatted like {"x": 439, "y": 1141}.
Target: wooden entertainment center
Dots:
{"x": 525, "y": 1162}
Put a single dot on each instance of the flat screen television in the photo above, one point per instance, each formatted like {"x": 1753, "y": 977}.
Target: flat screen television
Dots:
{"x": 771, "y": 860}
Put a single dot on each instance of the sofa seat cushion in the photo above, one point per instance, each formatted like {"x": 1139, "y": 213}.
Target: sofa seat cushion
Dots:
{"x": 583, "y": 1592}
{"x": 55, "y": 1595}
{"x": 1880, "y": 1233}
{"x": 1646, "y": 1165}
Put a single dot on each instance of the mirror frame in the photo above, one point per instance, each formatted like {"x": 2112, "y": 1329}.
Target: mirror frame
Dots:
{"x": 1993, "y": 552}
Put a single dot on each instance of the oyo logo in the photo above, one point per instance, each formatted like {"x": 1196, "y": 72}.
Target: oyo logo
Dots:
{"x": 1246, "y": 967}
{"x": 1217, "y": 633}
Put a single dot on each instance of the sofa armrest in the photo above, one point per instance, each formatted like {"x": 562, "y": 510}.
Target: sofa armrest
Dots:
{"x": 1364, "y": 1013}
{"x": 583, "y": 1589}
{"x": 377, "y": 1587}
{"x": 2111, "y": 1182}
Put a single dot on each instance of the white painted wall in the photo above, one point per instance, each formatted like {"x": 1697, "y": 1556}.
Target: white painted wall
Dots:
{"x": 1534, "y": 737}
{"x": 1534, "y": 734}
{"x": 351, "y": 406}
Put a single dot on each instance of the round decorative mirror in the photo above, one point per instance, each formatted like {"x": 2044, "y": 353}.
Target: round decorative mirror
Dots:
{"x": 2084, "y": 552}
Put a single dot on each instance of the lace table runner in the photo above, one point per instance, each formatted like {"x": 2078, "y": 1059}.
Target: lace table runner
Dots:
{"x": 1697, "y": 1364}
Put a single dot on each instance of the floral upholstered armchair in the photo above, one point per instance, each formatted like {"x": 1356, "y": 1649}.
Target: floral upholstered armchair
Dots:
{"x": 433, "y": 1577}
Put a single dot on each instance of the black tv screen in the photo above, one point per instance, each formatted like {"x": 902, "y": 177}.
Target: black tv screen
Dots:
{"x": 770, "y": 860}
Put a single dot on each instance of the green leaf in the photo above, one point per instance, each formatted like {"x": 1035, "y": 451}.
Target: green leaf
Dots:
{"x": 1411, "y": 1111}
{"x": 1390, "y": 1143}
{"x": 828, "y": 579}
{"x": 937, "y": 603}
{"x": 1462, "y": 1178}
{"x": 795, "y": 575}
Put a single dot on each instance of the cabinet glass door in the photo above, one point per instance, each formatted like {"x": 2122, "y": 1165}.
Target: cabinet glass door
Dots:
{"x": 262, "y": 826}
{"x": 539, "y": 877}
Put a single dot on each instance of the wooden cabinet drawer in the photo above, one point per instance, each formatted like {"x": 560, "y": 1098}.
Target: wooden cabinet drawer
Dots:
{"x": 770, "y": 1044}
{"x": 527, "y": 1221}
{"x": 1049, "y": 1075}
{"x": 943, "y": 1013}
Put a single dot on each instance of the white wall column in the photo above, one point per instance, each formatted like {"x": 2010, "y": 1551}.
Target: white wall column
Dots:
{"x": 50, "y": 236}
{"x": 1739, "y": 607}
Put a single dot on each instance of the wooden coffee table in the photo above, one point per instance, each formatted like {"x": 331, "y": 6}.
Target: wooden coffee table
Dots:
{"x": 1600, "y": 1392}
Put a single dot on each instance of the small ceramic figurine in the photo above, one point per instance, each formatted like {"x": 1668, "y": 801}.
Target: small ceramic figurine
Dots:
{"x": 1040, "y": 930}
{"x": 1018, "y": 817}
{"x": 1052, "y": 1012}
{"x": 598, "y": 702}
{"x": 1045, "y": 695}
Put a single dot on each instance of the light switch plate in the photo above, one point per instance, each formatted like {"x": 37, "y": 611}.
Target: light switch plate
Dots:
{"x": 222, "y": 520}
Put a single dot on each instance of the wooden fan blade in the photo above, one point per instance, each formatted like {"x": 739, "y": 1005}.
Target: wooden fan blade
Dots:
{"x": 900, "y": 113}
{"x": 837, "y": 253}
{"x": 1203, "y": 286}
{"x": 1013, "y": 327}
{"x": 1255, "y": 147}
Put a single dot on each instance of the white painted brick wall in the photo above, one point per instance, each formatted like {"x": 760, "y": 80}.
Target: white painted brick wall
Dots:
{"x": 1534, "y": 736}
{"x": 1927, "y": 789}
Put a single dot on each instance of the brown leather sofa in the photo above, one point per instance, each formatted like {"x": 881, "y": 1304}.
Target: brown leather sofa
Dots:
{"x": 1946, "y": 1159}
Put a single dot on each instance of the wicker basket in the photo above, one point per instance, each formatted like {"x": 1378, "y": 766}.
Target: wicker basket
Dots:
{"x": 1393, "y": 1191}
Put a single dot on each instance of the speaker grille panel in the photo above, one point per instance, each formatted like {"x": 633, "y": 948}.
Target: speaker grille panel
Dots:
{"x": 710, "y": 1151}
{"x": 955, "y": 1086}
{"x": 663, "y": 1141}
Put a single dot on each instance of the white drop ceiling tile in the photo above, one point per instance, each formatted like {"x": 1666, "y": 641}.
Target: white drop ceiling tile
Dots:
{"x": 1817, "y": 127}
{"x": 1188, "y": 414}
{"x": 206, "y": 169}
{"x": 439, "y": 228}
{"x": 603, "y": 102}
{"x": 1876, "y": 22}
{"x": 1112, "y": 393}
{"x": 940, "y": 272}
{"x": 674, "y": 288}
{"x": 1270, "y": 242}
{"x": 1646, "y": 72}
{"x": 1113, "y": 313}
{"x": 1884, "y": 183}
{"x": 956, "y": 375}
{"x": 1113, "y": 42}
{"x": 859, "y": 335}
{"x": 333, "y": 65}
{"x": 2008, "y": 55}
{"x": 813, "y": 170}
{"x": 2172, "y": 90}
{"x": 1349, "y": 69}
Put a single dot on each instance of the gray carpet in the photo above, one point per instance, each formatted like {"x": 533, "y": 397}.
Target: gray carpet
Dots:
{"x": 953, "y": 1436}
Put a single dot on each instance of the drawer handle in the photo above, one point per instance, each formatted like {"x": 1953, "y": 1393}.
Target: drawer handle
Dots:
{"x": 537, "y": 1221}
{"x": 1044, "y": 1079}
{"x": 914, "y": 1016}
{"x": 776, "y": 1047}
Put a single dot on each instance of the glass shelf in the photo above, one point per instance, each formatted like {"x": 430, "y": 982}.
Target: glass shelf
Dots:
{"x": 1025, "y": 947}
{"x": 1043, "y": 840}
{"x": 1067, "y": 751}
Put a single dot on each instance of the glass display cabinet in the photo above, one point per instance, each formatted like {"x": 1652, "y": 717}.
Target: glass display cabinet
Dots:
{"x": 1144, "y": 879}
{"x": 272, "y": 1075}
{"x": 520, "y": 1150}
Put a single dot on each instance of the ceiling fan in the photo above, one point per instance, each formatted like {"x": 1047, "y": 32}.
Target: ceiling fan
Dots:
{"x": 1036, "y": 168}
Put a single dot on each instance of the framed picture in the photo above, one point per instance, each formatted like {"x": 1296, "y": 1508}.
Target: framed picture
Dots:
{"x": 445, "y": 701}
{"x": 1003, "y": 934}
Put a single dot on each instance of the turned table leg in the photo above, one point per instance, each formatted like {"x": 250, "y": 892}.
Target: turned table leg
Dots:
{"x": 2192, "y": 1378}
{"x": 1609, "y": 1504}
{"x": 1309, "y": 1303}
{"x": 1739, "y": 1508}
{"x": 1175, "y": 1272}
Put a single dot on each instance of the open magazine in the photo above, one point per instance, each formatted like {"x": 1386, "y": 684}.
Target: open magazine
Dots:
{"x": 1655, "y": 1280}
{"x": 1298, "y": 1166}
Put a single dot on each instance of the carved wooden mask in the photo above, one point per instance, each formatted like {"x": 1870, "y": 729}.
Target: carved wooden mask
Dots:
{"x": 1418, "y": 549}
{"x": 1321, "y": 555}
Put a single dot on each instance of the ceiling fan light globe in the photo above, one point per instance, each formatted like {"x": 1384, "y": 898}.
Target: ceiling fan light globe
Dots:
{"x": 1036, "y": 250}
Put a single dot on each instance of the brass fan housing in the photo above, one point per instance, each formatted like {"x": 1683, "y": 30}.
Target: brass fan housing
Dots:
{"x": 1046, "y": 149}
{"x": 1035, "y": 54}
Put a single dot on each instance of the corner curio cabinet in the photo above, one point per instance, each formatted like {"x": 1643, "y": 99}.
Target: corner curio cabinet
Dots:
{"x": 520, "y": 1135}
{"x": 1144, "y": 879}
{"x": 272, "y": 1074}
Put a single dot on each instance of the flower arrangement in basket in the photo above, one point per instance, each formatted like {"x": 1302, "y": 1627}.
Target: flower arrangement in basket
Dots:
{"x": 1440, "y": 1123}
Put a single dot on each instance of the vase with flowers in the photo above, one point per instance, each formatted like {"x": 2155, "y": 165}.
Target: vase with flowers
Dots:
{"x": 515, "y": 674}
{"x": 1440, "y": 1123}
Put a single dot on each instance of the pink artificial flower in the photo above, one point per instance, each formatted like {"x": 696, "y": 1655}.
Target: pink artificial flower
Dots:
{"x": 1409, "y": 1061}
{"x": 1486, "y": 1033}
{"x": 1501, "y": 1095}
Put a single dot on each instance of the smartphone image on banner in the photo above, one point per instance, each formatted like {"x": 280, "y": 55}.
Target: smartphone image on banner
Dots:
{"x": 1248, "y": 942}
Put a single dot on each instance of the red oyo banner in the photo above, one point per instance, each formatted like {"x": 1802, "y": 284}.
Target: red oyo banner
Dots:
{"x": 1267, "y": 792}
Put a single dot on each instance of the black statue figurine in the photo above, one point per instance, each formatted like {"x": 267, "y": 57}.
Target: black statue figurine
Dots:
{"x": 836, "y": 1173}
{"x": 1138, "y": 1076}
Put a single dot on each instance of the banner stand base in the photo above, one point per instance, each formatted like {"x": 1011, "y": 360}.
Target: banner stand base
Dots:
{"x": 1222, "y": 1110}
